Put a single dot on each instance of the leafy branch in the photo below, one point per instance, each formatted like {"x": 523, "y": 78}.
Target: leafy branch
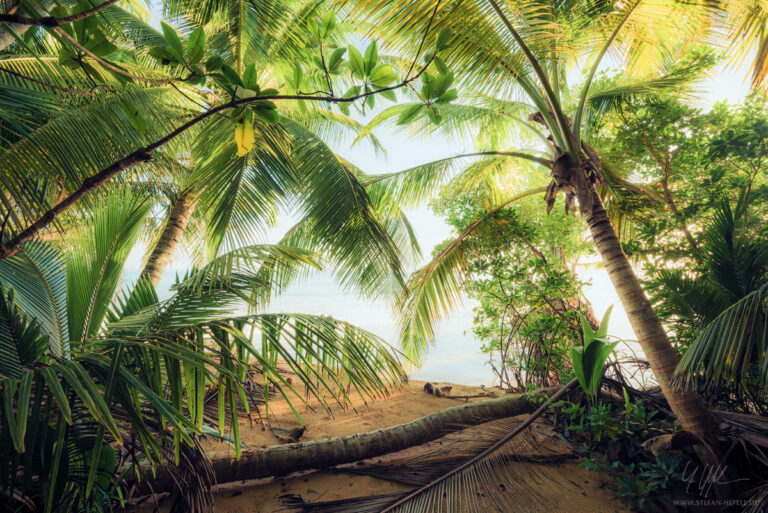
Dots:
{"x": 242, "y": 91}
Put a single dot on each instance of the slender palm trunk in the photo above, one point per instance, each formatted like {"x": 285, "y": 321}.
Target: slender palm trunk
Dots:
{"x": 690, "y": 410}
{"x": 177, "y": 221}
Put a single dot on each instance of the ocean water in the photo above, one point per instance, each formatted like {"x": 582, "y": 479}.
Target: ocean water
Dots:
{"x": 455, "y": 355}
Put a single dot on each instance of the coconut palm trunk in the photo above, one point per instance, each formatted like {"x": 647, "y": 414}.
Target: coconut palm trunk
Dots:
{"x": 320, "y": 454}
{"x": 177, "y": 221}
{"x": 691, "y": 411}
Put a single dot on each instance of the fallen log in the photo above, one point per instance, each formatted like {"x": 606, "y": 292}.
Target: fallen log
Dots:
{"x": 321, "y": 454}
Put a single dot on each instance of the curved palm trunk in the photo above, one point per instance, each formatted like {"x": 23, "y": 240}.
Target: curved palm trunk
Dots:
{"x": 690, "y": 410}
{"x": 174, "y": 227}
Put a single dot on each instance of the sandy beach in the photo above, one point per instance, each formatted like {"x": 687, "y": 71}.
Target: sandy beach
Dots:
{"x": 549, "y": 477}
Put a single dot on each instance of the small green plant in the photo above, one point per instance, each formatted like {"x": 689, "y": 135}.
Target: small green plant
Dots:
{"x": 589, "y": 360}
{"x": 597, "y": 422}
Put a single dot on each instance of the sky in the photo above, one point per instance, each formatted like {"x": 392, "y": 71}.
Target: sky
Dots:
{"x": 455, "y": 356}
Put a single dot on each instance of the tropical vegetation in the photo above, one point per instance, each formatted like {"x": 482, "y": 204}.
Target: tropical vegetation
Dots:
{"x": 122, "y": 133}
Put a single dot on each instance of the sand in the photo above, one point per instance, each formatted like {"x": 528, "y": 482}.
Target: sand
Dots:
{"x": 565, "y": 485}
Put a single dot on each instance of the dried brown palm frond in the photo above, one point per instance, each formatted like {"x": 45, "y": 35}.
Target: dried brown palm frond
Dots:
{"x": 491, "y": 479}
{"x": 254, "y": 395}
{"x": 195, "y": 478}
{"x": 420, "y": 466}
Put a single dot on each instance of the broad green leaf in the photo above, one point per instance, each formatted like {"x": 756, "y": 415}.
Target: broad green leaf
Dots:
{"x": 351, "y": 92}
{"x": 389, "y": 95}
{"x": 448, "y": 96}
{"x": 329, "y": 23}
{"x": 371, "y": 57}
{"x": 134, "y": 116}
{"x": 356, "y": 61}
{"x": 443, "y": 37}
{"x": 163, "y": 54}
{"x": 335, "y": 59}
{"x": 250, "y": 80}
{"x": 440, "y": 85}
{"x": 67, "y": 58}
{"x": 601, "y": 356}
{"x": 196, "y": 45}
{"x": 214, "y": 64}
{"x": 434, "y": 114}
{"x": 99, "y": 44}
{"x": 270, "y": 116}
{"x": 86, "y": 25}
{"x": 174, "y": 43}
{"x": 383, "y": 76}
{"x": 426, "y": 86}
{"x": 231, "y": 75}
{"x": 578, "y": 367}
{"x": 602, "y": 331}
{"x": 586, "y": 330}
{"x": 314, "y": 29}
{"x": 440, "y": 65}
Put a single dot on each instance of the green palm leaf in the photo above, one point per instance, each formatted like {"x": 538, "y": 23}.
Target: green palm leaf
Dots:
{"x": 102, "y": 131}
{"x": 436, "y": 289}
{"x": 732, "y": 348}
{"x": 339, "y": 220}
{"x": 22, "y": 342}
{"x": 95, "y": 262}
{"x": 38, "y": 276}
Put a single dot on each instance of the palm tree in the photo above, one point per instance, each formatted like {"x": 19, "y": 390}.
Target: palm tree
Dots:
{"x": 521, "y": 53}
{"x": 239, "y": 197}
{"x": 59, "y": 130}
{"x": 92, "y": 374}
{"x": 240, "y": 193}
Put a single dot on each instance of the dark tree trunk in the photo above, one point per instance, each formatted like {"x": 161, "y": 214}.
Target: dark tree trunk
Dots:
{"x": 177, "y": 221}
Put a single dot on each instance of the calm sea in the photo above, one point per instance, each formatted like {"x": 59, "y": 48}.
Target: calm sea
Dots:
{"x": 455, "y": 356}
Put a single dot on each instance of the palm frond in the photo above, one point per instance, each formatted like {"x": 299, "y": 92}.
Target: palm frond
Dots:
{"x": 481, "y": 120}
{"x": 414, "y": 186}
{"x": 732, "y": 348}
{"x": 240, "y": 195}
{"x": 747, "y": 21}
{"x": 244, "y": 272}
{"x": 672, "y": 79}
{"x": 38, "y": 277}
{"x": 339, "y": 220}
{"x": 436, "y": 289}
{"x": 102, "y": 131}
{"x": 95, "y": 261}
{"x": 335, "y": 129}
{"x": 22, "y": 110}
{"x": 22, "y": 342}
{"x": 487, "y": 470}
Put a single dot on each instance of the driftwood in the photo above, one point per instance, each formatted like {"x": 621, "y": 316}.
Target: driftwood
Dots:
{"x": 321, "y": 454}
